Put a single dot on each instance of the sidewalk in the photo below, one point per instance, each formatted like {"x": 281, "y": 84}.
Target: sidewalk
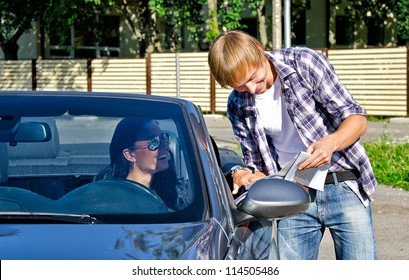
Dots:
{"x": 390, "y": 208}
{"x": 397, "y": 129}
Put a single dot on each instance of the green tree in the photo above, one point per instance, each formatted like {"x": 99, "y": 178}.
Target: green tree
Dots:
{"x": 401, "y": 10}
{"x": 228, "y": 14}
{"x": 16, "y": 18}
{"x": 212, "y": 22}
{"x": 143, "y": 15}
{"x": 377, "y": 11}
{"x": 257, "y": 8}
{"x": 180, "y": 14}
{"x": 61, "y": 15}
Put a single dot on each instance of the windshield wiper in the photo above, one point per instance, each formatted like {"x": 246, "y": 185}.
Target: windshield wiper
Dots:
{"x": 28, "y": 217}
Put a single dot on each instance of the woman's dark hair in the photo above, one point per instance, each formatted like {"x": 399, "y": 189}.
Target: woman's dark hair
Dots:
{"x": 164, "y": 184}
{"x": 127, "y": 131}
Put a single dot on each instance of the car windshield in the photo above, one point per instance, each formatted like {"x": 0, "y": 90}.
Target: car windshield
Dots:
{"x": 110, "y": 160}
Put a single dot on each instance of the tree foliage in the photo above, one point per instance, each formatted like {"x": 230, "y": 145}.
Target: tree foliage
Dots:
{"x": 377, "y": 11}
{"x": 139, "y": 14}
{"x": 401, "y": 10}
{"x": 226, "y": 17}
{"x": 16, "y": 18}
{"x": 61, "y": 15}
{"x": 179, "y": 14}
{"x": 145, "y": 16}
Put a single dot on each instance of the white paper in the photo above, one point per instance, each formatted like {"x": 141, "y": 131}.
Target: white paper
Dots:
{"x": 311, "y": 177}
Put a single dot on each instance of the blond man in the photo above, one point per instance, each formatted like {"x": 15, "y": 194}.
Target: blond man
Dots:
{"x": 288, "y": 101}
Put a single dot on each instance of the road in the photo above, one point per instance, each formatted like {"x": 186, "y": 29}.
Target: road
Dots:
{"x": 390, "y": 208}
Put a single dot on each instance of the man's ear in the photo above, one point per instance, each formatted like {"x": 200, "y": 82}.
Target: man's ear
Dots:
{"x": 128, "y": 155}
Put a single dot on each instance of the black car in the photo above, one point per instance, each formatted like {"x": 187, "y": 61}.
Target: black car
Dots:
{"x": 53, "y": 205}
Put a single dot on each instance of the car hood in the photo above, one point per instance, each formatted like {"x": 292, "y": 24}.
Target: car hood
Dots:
{"x": 102, "y": 241}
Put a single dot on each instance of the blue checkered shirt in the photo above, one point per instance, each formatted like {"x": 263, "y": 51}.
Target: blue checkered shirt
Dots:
{"x": 317, "y": 102}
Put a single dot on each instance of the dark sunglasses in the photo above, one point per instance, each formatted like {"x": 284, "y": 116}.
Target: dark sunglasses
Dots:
{"x": 155, "y": 142}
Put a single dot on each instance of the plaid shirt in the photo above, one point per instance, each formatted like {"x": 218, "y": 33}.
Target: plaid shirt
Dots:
{"x": 316, "y": 102}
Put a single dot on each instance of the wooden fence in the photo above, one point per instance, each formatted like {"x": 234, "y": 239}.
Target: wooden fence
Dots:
{"x": 377, "y": 78}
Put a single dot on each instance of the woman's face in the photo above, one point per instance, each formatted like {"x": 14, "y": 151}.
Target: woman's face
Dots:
{"x": 151, "y": 156}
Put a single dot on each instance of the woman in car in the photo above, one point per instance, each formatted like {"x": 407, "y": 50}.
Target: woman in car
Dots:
{"x": 139, "y": 152}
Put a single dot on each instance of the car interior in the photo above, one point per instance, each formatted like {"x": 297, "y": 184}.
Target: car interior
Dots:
{"x": 57, "y": 175}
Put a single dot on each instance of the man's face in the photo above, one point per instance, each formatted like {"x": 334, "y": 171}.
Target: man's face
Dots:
{"x": 258, "y": 80}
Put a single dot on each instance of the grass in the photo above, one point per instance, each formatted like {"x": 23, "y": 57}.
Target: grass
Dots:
{"x": 390, "y": 162}
{"x": 378, "y": 119}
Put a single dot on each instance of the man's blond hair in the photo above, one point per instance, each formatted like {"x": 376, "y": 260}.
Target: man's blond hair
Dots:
{"x": 232, "y": 55}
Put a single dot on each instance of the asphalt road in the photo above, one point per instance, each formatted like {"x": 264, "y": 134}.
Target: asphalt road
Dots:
{"x": 390, "y": 208}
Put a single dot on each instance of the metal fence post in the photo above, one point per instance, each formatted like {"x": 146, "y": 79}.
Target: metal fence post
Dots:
{"x": 177, "y": 58}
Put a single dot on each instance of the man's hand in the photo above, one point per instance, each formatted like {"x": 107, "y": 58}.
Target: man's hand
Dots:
{"x": 348, "y": 132}
{"x": 321, "y": 154}
{"x": 243, "y": 177}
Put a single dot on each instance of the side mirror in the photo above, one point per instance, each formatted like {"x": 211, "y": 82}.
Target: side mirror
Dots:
{"x": 272, "y": 198}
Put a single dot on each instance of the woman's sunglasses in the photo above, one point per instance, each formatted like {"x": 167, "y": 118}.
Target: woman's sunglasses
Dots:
{"x": 155, "y": 142}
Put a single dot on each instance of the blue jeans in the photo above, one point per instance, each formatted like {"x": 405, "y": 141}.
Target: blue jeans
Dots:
{"x": 338, "y": 209}
{"x": 258, "y": 244}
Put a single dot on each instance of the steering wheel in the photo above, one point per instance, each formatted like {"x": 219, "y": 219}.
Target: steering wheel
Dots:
{"x": 113, "y": 196}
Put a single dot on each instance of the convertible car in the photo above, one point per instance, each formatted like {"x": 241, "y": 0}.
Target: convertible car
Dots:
{"x": 53, "y": 204}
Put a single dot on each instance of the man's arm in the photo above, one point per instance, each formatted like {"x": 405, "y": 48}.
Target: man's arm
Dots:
{"x": 350, "y": 130}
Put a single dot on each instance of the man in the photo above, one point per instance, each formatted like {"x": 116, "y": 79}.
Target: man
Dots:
{"x": 289, "y": 101}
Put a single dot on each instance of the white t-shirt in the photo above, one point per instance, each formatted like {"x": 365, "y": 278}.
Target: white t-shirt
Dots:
{"x": 277, "y": 123}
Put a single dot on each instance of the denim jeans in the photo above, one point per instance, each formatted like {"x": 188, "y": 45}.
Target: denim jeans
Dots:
{"x": 258, "y": 244}
{"x": 338, "y": 209}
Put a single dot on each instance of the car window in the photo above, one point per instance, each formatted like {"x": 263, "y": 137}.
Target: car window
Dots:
{"x": 61, "y": 175}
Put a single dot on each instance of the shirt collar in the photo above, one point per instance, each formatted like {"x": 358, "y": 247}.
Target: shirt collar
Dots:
{"x": 278, "y": 61}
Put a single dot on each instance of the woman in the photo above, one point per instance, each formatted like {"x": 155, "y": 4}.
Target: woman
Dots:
{"x": 139, "y": 152}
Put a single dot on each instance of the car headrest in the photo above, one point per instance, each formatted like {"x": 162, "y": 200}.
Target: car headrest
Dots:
{"x": 178, "y": 162}
{"x": 37, "y": 150}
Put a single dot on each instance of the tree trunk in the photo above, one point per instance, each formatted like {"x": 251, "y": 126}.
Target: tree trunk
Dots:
{"x": 212, "y": 9}
{"x": 10, "y": 50}
{"x": 212, "y": 22}
{"x": 262, "y": 26}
